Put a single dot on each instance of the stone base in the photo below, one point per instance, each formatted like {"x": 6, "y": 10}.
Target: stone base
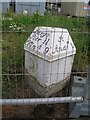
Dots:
{"x": 45, "y": 91}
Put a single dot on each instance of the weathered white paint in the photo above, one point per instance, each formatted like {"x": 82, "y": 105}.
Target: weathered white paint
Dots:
{"x": 54, "y": 42}
{"x": 55, "y": 64}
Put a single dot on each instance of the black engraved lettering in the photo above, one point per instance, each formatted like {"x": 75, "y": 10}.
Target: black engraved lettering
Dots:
{"x": 71, "y": 45}
{"x": 46, "y": 50}
{"x": 42, "y": 34}
{"x": 33, "y": 47}
{"x": 56, "y": 48}
{"x": 47, "y": 41}
{"x": 37, "y": 31}
{"x": 31, "y": 42}
{"x": 39, "y": 47}
{"x": 60, "y": 49}
{"x": 32, "y": 37}
{"x": 53, "y": 52}
{"x": 39, "y": 39}
{"x": 65, "y": 47}
{"x": 60, "y": 39}
{"x": 48, "y": 35}
{"x": 67, "y": 44}
{"x": 44, "y": 41}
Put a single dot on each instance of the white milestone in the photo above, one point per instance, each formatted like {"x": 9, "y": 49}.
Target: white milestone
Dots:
{"x": 49, "y": 55}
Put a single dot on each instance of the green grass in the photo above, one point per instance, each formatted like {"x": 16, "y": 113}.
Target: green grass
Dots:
{"x": 12, "y": 47}
{"x": 55, "y": 21}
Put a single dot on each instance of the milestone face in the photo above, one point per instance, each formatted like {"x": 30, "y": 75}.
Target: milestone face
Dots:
{"x": 50, "y": 41}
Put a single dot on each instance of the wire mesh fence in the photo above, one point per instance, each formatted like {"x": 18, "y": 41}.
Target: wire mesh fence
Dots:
{"x": 20, "y": 66}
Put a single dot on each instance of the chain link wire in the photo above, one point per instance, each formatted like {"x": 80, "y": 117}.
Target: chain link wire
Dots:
{"x": 15, "y": 31}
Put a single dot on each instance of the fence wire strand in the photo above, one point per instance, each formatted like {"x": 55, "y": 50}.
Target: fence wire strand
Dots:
{"x": 14, "y": 74}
